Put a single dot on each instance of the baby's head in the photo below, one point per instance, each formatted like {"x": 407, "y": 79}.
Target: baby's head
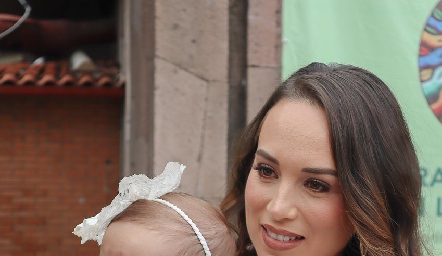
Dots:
{"x": 153, "y": 228}
{"x": 146, "y": 218}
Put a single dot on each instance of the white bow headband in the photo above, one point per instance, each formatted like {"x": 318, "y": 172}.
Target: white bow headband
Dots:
{"x": 132, "y": 188}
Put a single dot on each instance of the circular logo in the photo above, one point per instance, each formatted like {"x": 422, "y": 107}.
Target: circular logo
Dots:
{"x": 430, "y": 61}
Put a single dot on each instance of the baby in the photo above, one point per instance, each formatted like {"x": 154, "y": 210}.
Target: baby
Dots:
{"x": 146, "y": 218}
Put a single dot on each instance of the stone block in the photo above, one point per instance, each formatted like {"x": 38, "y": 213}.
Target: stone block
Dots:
{"x": 264, "y": 33}
{"x": 261, "y": 83}
{"x": 191, "y": 127}
{"x": 179, "y": 103}
{"x": 213, "y": 151}
{"x": 194, "y": 34}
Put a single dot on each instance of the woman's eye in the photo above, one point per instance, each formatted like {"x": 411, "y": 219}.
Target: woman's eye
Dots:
{"x": 265, "y": 171}
{"x": 317, "y": 186}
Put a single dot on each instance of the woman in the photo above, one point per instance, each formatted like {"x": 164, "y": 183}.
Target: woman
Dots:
{"x": 327, "y": 167}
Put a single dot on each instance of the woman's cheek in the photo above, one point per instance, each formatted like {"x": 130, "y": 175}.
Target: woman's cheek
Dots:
{"x": 255, "y": 194}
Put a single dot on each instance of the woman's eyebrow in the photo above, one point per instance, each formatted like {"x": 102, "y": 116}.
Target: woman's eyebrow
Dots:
{"x": 320, "y": 171}
{"x": 263, "y": 153}
{"x": 329, "y": 171}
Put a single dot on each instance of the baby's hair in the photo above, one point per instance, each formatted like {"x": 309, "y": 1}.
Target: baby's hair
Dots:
{"x": 176, "y": 232}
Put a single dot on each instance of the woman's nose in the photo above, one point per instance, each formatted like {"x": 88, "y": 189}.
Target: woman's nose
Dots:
{"x": 283, "y": 206}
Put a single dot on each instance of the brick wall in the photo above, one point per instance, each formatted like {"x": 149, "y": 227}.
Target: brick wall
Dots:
{"x": 59, "y": 163}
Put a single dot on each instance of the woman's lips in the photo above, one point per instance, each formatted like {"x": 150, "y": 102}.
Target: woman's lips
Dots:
{"x": 280, "y": 240}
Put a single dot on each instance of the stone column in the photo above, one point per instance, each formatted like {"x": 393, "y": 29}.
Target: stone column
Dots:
{"x": 181, "y": 71}
{"x": 263, "y": 52}
{"x": 191, "y": 92}
{"x": 137, "y": 51}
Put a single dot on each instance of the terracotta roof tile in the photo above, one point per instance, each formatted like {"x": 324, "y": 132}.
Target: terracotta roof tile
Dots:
{"x": 50, "y": 77}
{"x": 59, "y": 75}
{"x": 66, "y": 78}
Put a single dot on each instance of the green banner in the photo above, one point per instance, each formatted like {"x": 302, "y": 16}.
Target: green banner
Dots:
{"x": 401, "y": 42}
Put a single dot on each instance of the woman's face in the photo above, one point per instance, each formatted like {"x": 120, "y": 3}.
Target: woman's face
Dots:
{"x": 293, "y": 200}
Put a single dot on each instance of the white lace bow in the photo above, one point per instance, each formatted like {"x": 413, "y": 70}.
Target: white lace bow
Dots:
{"x": 132, "y": 188}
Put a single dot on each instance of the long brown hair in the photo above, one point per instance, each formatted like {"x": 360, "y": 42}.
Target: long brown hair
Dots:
{"x": 377, "y": 165}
